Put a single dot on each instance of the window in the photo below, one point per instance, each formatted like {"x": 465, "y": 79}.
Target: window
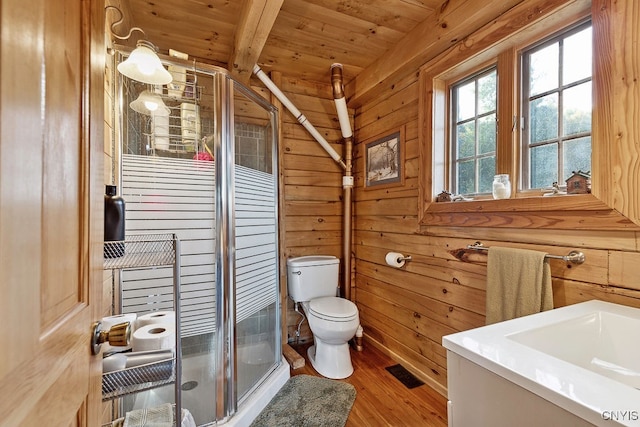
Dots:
{"x": 556, "y": 81}
{"x": 473, "y": 133}
{"x": 555, "y": 106}
{"x": 613, "y": 136}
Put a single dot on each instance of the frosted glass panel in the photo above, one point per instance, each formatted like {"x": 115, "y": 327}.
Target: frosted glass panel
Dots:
{"x": 256, "y": 229}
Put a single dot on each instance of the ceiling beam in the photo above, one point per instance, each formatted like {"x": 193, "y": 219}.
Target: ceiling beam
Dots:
{"x": 253, "y": 29}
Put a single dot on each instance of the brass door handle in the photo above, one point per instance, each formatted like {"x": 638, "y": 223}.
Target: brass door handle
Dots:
{"x": 118, "y": 335}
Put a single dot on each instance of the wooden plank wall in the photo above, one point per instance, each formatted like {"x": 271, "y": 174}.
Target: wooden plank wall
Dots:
{"x": 312, "y": 182}
{"x": 407, "y": 311}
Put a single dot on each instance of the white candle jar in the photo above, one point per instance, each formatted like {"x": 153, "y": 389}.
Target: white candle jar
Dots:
{"x": 501, "y": 186}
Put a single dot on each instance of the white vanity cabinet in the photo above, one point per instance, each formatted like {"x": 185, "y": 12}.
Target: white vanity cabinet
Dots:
{"x": 571, "y": 366}
{"x": 480, "y": 398}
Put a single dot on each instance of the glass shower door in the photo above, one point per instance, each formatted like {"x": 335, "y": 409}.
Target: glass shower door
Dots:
{"x": 206, "y": 172}
{"x": 256, "y": 228}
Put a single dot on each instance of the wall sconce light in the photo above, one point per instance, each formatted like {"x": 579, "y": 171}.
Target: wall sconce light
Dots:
{"x": 143, "y": 64}
{"x": 149, "y": 104}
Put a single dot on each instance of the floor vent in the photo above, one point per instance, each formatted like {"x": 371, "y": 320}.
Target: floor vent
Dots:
{"x": 404, "y": 376}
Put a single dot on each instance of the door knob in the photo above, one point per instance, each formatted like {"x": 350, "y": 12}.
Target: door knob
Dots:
{"x": 118, "y": 335}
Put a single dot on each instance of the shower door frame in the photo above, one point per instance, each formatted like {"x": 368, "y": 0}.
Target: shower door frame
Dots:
{"x": 226, "y": 399}
{"x": 224, "y": 148}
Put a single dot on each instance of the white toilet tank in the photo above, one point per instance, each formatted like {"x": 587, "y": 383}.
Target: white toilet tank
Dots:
{"x": 310, "y": 277}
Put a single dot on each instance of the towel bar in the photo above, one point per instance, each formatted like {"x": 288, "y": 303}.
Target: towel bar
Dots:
{"x": 574, "y": 257}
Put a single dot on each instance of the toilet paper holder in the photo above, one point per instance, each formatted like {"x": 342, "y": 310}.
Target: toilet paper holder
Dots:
{"x": 118, "y": 335}
{"x": 396, "y": 259}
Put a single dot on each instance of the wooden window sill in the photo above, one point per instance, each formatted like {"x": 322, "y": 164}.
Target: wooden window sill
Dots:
{"x": 559, "y": 212}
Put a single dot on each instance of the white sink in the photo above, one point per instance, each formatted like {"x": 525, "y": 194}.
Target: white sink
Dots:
{"x": 583, "y": 358}
{"x": 603, "y": 342}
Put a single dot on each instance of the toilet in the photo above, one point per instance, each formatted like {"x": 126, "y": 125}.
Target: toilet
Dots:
{"x": 313, "y": 283}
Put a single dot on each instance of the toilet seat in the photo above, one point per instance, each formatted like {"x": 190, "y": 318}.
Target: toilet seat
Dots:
{"x": 333, "y": 309}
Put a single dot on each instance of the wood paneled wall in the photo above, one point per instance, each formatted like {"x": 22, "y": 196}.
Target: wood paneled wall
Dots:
{"x": 407, "y": 311}
{"x": 311, "y": 183}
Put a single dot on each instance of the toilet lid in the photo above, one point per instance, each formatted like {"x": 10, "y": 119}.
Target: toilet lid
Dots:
{"x": 333, "y": 308}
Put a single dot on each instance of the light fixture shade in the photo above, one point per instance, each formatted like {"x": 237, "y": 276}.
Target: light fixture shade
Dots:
{"x": 143, "y": 65}
{"x": 149, "y": 104}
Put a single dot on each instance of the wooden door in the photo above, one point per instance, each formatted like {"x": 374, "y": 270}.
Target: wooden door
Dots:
{"x": 51, "y": 120}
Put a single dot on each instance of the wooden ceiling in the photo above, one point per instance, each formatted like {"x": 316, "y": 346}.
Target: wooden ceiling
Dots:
{"x": 300, "y": 38}
{"x": 375, "y": 40}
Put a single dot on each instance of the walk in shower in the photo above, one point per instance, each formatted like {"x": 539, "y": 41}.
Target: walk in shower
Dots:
{"x": 198, "y": 158}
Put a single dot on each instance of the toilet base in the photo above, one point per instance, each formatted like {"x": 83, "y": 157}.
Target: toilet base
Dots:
{"x": 330, "y": 360}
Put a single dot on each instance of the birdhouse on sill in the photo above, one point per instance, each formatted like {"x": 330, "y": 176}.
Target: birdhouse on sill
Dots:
{"x": 579, "y": 183}
{"x": 445, "y": 196}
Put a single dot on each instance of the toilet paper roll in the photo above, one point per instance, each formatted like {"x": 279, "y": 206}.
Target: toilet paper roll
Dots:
{"x": 156, "y": 317}
{"x": 154, "y": 337}
{"x": 110, "y": 321}
{"x": 395, "y": 259}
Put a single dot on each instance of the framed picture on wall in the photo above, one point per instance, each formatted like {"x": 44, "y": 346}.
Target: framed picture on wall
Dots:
{"x": 384, "y": 160}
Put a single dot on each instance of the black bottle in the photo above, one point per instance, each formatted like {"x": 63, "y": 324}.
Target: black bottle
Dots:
{"x": 113, "y": 223}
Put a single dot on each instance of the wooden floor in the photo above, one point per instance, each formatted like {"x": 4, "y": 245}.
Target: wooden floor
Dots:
{"x": 381, "y": 399}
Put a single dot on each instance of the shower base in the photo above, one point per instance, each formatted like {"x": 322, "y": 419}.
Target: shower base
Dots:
{"x": 198, "y": 392}
{"x": 252, "y": 405}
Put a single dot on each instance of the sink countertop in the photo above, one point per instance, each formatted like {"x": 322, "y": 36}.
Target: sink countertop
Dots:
{"x": 587, "y": 394}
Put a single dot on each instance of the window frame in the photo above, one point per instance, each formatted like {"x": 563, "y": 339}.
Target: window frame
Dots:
{"x": 453, "y": 124}
{"x": 501, "y": 39}
{"x": 525, "y": 113}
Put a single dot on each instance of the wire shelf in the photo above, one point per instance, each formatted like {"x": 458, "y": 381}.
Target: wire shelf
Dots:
{"x": 137, "y": 379}
{"x": 120, "y": 421}
{"x": 140, "y": 251}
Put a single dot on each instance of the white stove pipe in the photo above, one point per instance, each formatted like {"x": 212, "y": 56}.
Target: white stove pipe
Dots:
{"x": 340, "y": 100}
{"x": 298, "y": 115}
{"x": 345, "y": 127}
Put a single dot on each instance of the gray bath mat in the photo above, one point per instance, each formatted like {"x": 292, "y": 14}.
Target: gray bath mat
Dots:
{"x": 308, "y": 401}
